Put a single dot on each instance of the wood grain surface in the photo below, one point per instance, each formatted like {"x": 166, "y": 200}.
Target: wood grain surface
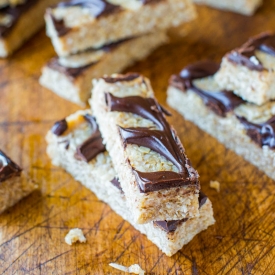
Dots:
{"x": 32, "y": 233}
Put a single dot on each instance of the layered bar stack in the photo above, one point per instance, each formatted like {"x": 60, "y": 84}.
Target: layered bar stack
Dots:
{"x": 169, "y": 207}
{"x": 97, "y": 37}
{"x": 19, "y": 20}
{"x": 234, "y": 103}
{"x": 14, "y": 185}
{"x": 246, "y": 7}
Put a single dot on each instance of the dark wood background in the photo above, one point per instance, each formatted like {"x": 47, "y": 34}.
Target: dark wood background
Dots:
{"x": 32, "y": 233}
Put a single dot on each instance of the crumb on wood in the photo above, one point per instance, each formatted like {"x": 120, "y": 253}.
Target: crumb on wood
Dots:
{"x": 215, "y": 185}
{"x": 75, "y": 235}
{"x": 135, "y": 268}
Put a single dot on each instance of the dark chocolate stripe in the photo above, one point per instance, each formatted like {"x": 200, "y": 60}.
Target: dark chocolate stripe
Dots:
{"x": 262, "y": 134}
{"x": 15, "y": 12}
{"x": 93, "y": 146}
{"x": 163, "y": 141}
{"x": 220, "y": 102}
{"x": 8, "y": 168}
{"x": 264, "y": 42}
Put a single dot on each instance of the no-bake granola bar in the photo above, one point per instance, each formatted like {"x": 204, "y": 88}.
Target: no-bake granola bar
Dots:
{"x": 14, "y": 185}
{"x": 249, "y": 71}
{"x": 155, "y": 174}
{"x": 19, "y": 20}
{"x": 74, "y": 143}
{"x": 246, "y": 128}
{"x": 74, "y": 26}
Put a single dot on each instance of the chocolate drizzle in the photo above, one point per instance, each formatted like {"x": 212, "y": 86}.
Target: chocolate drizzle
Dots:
{"x": 93, "y": 146}
{"x": 60, "y": 127}
{"x": 245, "y": 55}
{"x": 171, "y": 226}
{"x": 262, "y": 134}
{"x": 8, "y": 168}
{"x": 163, "y": 141}
{"x": 220, "y": 102}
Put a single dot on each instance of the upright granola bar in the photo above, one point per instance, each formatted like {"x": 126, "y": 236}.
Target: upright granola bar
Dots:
{"x": 74, "y": 143}
{"x": 70, "y": 77}
{"x": 155, "y": 174}
{"x": 244, "y": 127}
{"x": 74, "y": 26}
{"x": 249, "y": 71}
{"x": 13, "y": 185}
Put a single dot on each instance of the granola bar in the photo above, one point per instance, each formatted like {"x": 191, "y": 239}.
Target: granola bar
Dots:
{"x": 19, "y": 20}
{"x": 249, "y": 71}
{"x": 74, "y": 26}
{"x": 74, "y": 143}
{"x": 14, "y": 185}
{"x": 246, "y": 128}
{"x": 70, "y": 77}
{"x": 155, "y": 174}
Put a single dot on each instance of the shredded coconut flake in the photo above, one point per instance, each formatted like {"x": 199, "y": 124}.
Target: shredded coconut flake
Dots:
{"x": 75, "y": 235}
{"x": 215, "y": 185}
{"x": 135, "y": 268}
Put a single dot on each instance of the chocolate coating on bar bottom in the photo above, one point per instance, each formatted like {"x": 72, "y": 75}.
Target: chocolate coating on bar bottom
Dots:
{"x": 163, "y": 141}
{"x": 245, "y": 55}
{"x": 8, "y": 168}
{"x": 262, "y": 134}
{"x": 93, "y": 146}
{"x": 220, "y": 102}
{"x": 60, "y": 127}
{"x": 15, "y": 12}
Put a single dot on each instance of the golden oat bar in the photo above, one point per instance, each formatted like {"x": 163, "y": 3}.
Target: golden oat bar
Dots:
{"x": 246, "y": 128}
{"x": 70, "y": 77}
{"x": 155, "y": 174}
{"x": 75, "y": 144}
{"x": 249, "y": 71}
{"x": 19, "y": 20}
{"x": 77, "y": 25}
{"x": 14, "y": 185}
{"x": 246, "y": 7}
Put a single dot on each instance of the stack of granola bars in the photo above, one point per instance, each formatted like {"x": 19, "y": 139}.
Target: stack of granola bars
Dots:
{"x": 97, "y": 37}
{"x": 234, "y": 101}
{"x": 138, "y": 166}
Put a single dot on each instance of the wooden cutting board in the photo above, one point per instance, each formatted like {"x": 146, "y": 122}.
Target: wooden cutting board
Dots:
{"x": 32, "y": 233}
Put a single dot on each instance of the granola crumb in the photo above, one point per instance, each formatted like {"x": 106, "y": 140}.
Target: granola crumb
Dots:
{"x": 135, "y": 268}
{"x": 75, "y": 235}
{"x": 215, "y": 185}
